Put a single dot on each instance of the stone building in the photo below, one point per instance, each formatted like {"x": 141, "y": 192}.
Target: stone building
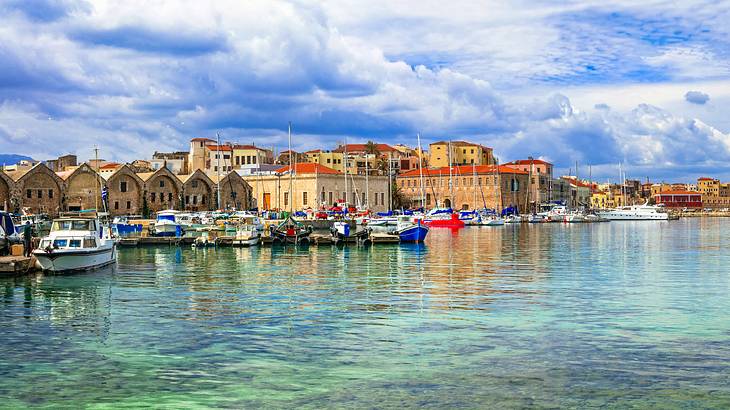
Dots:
{"x": 82, "y": 189}
{"x": 125, "y": 192}
{"x": 162, "y": 190}
{"x": 470, "y": 187}
{"x": 6, "y": 185}
{"x": 315, "y": 186}
{"x": 459, "y": 153}
{"x": 541, "y": 179}
{"x": 39, "y": 189}
{"x": 197, "y": 191}
{"x": 236, "y": 193}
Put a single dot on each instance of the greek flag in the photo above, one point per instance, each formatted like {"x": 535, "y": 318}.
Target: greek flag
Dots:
{"x": 104, "y": 194}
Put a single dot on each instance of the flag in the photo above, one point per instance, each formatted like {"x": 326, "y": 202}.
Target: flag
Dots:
{"x": 104, "y": 193}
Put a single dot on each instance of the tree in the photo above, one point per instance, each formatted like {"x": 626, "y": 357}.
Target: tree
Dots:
{"x": 399, "y": 199}
{"x": 371, "y": 148}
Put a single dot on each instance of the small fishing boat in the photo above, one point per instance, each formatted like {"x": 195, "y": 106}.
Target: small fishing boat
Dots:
{"x": 292, "y": 232}
{"x": 492, "y": 221}
{"x": 76, "y": 243}
{"x": 247, "y": 235}
{"x": 166, "y": 224}
{"x": 574, "y": 217}
{"x": 409, "y": 230}
{"x": 341, "y": 232}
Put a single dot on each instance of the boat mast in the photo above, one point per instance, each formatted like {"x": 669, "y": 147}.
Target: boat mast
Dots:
{"x": 390, "y": 183}
{"x": 96, "y": 197}
{"x": 218, "y": 168}
{"x": 291, "y": 175}
{"x": 451, "y": 182}
{"x": 420, "y": 172}
{"x": 473, "y": 180}
{"x": 367, "y": 183}
{"x": 346, "y": 190}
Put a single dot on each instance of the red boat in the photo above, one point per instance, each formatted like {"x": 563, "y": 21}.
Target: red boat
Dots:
{"x": 443, "y": 221}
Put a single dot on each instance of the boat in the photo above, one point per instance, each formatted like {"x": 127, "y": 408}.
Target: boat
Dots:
{"x": 470, "y": 217}
{"x": 292, "y": 232}
{"x": 557, "y": 213}
{"x": 574, "y": 217}
{"x": 247, "y": 235}
{"x": 122, "y": 226}
{"x": 76, "y": 243}
{"x": 409, "y": 230}
{"x": 635, "y": 213}
{"x": 40, "y": 223}
{"x": 512, "y": 219}
{"x": 341, "y": 232}
{"x": 535, "y": 218}
{"x": 166, "y": 224}
{"x": 442, "y": 218}
{"x": 493, "y": 220}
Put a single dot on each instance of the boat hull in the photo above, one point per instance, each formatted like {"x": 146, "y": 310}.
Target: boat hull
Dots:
{"x": 75, "y": 260}
{"x": 415, "y": 233}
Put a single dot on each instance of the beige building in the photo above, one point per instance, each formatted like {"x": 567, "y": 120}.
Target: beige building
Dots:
{"x": 469, "y": 187}
{"x": 315, "y": 186}
{"x": 462, "y": 153}
{"x": 541, "y": 179}
{"x": 329, "y": 159}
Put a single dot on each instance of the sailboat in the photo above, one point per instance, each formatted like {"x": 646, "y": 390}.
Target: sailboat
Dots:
{"x": 444, "y": 217}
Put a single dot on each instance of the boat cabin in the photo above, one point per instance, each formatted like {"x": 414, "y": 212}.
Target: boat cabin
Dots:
{"x": 72, "y": 234}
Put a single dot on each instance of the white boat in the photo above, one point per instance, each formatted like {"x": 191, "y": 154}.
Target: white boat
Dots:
{"x": 536, "y": 218}
{"x": 557, "y": 213}
{"x": 512, "y": 219}
{"x": 574, "y": 217}
{"x": 166, "y": 224}
{"x": 76, "y": 243}
{"x": 247, "y": 235}
{"x": 635, "y": 213}
{"x": 492, "y": 221}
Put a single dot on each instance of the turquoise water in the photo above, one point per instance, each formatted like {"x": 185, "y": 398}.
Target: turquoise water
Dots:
{"x": 621, "y": 314}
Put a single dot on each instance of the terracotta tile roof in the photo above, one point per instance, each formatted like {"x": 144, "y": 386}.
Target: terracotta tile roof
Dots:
{"x": 362, "y": 147}
{"x": 308, "y": 168}
{"x": 678, "y": 193}
{"x": 201, "y": 139}
{"x": 463, "y": 170}
{"x": 528, "y": 162}
{"x": 248, "y": 146}
{"x": 459, "y": 144}
{"x": 219, "y": 148}
{"x": 111, "y": 165}
{"x": 705, "y": 179}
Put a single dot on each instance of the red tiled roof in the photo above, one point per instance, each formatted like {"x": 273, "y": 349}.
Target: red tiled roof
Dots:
{"x": 201, "y": 139}
{"x": 313, "y": 151}
{"x": 705, "y": 179}
{"x": 528, "y": 162}
{"x": 463, "y": 170}
{"x": 308, "y": 168}
{"x": 362, "y": 147}
{"x": 678, "y": 193}
{"x": 248, "y": 146}
{"x": 460, "y": 144}
{"x": 219, "y": 147}
{"x": 111, "y": 165}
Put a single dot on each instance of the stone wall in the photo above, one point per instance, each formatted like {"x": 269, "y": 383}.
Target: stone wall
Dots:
{"x": 125, "y": 192}
{"x": 82, "y": 190}
{"x": 40, "y": 190}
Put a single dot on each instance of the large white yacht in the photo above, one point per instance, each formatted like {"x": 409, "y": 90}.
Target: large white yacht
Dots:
{"x": 635, "y": 213}
{"x": 76, "y": 243}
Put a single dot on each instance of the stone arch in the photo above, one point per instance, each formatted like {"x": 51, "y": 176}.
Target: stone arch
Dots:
{"x": 447, "y": 203}
{"x": 125, "y": 192}
{"x": 82, "y": 189}
{"x": 198, "y": 191}
{"x": 40, "y": 190}
{"x": 235, "y": 192}
{"x": 6, "y": 189}
{"x": 162, "y": 190}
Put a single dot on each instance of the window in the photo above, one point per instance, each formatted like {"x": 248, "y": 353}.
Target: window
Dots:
{"x": 344, "y": 196}
{"x": 304, "y": 198}
{"x": 29, "y": 194}
{"x": 129, "y": 204}
{"x": 40, "y": 193}
{"x": 203, "y": 199}
{"x": 382, "y": 198}
{"x": 323, "y": 196}
{"x": 152, "y": 197}
{"x": 89, "y": 243}
{"x": 254, "y": 159}
{"x": 50, "y": 193}
{"x": 123, "y": 186}
{"x": 330, "y": 201}
{"x": 194, "y": 184}
{"x": 428, "y": 199}
{"x": 286, "y": 199}
{"x": 169, "y": 196}
{"x": 162, "y": 184}
{"x": 116, "y": 204}
{"x": 60, "y": 243}
{"x": 195, "y": 199}
{"x": 376, "y": 199}
{"x": 187, "y": 199}
{"x": 74, "y": 243}
{"x": 363, "y": 198}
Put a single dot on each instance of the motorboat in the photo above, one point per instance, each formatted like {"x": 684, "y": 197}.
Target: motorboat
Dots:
{"x": 123, "y": 226}
{"x": 410, "y": 230}
{"x": 574, "y": 217}
{"x": 166, "y": 224}
{"x": 76, "y": 243}
{"x": 8, "y": 235}
{"x": 512, "y": 219}
{"x": 635, "y": 213}
{"x": 535, "y": 218}
{"x": 247, "y": 235}
{"x": 493, "y": 220}
{"x": 292, "y": 232}
{"x": 557, "y": 213}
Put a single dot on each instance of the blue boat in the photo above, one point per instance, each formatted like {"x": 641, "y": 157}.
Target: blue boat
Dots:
{"x": 409, "y": 231}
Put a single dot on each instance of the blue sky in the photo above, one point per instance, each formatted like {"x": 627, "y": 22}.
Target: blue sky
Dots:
{"x": 596, "y": 82}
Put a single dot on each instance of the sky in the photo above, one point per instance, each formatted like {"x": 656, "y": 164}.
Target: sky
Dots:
{"x": 596, "y": 83}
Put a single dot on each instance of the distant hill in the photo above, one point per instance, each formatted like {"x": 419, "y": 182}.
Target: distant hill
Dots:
{"x": 11, "y": 159}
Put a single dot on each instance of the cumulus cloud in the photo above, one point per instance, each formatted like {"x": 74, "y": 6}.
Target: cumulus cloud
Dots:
{"x": 696, "y": 97}
{"x": 81, "y": 74}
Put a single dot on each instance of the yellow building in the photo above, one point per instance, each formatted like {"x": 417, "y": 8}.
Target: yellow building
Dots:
{"x": 250, "y": 155}
{"x": 462, "y": 153}
{"x": 329, "y": 159}
{"x": 709, "y": 186}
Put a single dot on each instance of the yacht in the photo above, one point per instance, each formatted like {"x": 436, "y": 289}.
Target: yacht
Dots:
{"x": 635, "y": 213}
{"x": 166, "y": 224}
{"x": 76, "y": 243}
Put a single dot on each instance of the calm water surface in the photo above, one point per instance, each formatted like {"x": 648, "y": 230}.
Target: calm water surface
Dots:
{"x": 622, "y": 314}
